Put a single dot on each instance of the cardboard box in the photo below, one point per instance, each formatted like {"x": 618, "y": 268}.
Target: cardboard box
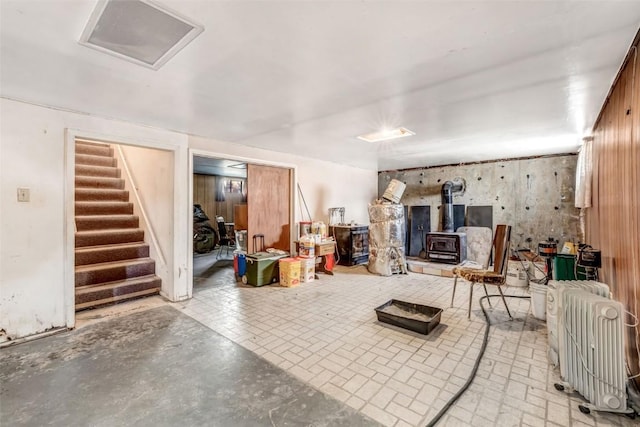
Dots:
{"x": 326, "y": 247}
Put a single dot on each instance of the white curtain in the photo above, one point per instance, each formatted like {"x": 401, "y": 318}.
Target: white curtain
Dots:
{"x": 584, "y": 172}
{"x": 220, "y": 188}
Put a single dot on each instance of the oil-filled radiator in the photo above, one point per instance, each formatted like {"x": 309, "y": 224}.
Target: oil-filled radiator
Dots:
{"x": 554, "y": 304}
{"x": 589, "y": 329}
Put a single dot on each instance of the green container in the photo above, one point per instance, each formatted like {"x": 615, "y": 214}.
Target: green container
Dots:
{"x": 564, "y": 268}
{"x": 262, "y": 269}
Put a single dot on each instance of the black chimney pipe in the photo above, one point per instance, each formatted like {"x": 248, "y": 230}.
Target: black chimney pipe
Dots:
{"x": 447, "y": 204}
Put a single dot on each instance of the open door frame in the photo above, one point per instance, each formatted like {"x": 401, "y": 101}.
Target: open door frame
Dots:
{"x": 292, "y": 202}
{"x": 176, "y": 288}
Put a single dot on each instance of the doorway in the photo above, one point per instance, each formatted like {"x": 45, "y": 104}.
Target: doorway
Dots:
{"x": 251, "y": 197}
{"x": 161, "y": 200}
{"x": 219, "y": 218}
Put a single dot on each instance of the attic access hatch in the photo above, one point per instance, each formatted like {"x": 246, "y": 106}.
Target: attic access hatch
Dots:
{"x": 140, "y": 31}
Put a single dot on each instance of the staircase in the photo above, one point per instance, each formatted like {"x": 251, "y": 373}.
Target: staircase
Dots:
{"x": 112, "y": 261}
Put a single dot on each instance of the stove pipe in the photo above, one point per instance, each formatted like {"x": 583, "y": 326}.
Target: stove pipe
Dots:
{"x": 447, "y": 204}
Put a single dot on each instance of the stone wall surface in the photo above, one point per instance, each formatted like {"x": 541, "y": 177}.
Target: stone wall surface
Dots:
{"x": 535, "y": 196}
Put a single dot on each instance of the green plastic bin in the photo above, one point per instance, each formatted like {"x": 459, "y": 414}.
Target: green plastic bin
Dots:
{"x": 564, "y": 268}
{"x": 262, "y": 269}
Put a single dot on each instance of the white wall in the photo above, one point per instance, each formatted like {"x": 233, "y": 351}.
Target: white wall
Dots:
{"x": 34, "y": 290}
{"x": 324, "y": 184}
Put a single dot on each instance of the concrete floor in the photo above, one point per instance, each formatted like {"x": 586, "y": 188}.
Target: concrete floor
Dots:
{"x": 210, "y": 271}
{"x": 156, "y": 367}
{"x": 236, "y": 355}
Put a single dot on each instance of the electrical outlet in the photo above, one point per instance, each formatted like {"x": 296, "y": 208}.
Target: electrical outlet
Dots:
{"x": 23, "y": 194}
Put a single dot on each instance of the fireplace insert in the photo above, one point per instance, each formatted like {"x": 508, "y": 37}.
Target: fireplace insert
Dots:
{"x": 448, "y": 248}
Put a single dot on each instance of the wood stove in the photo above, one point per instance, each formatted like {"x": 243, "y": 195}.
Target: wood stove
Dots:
{"x": 352, "y": 242}
{"x": 448, "y": 248}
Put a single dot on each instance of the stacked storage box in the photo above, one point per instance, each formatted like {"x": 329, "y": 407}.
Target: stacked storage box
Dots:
{"x": 289, "y": 272}
{"x": 307, "y": 269}
{"x": 307, "y": 257}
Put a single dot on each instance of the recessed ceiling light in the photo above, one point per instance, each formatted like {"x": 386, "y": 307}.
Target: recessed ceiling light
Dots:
{"x": 140, "y": 31}
{"x": 386, "y": 134}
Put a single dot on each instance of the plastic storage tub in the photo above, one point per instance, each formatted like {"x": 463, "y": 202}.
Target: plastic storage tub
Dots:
{"x": 564, "y": 268}
{"x": 518, "y": 273}
{"x": 262, "y": 269}
{"x": 538, "y": 300}
{"x": 415, "y": 317}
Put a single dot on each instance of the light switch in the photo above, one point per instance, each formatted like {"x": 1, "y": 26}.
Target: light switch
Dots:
{"x": 23, "y": 194}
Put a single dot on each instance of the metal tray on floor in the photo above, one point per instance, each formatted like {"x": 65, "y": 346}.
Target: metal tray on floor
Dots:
{"x": 415, "y": 317}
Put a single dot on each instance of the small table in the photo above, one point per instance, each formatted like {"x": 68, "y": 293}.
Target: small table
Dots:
{"x": 324, "y": 255}
{"x": 325, "y": 251}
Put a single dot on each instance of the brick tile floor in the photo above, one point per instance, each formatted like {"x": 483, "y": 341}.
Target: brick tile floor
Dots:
{"x": 326, "y": 333}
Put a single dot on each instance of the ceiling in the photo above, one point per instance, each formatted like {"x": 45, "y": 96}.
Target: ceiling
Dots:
{"x": 475, "y": 80}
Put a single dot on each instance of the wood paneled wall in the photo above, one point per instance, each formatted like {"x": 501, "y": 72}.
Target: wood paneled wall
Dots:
{"x": 204, "y": 194}
{"x": 612, "y": 223}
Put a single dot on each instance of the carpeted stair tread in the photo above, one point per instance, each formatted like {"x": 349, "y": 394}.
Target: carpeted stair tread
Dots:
{"x": 108, "y": 237}
{"x": 111, "y": 264}
{"x": 97, "y": 222}
{"x": 133, "y": 281}
{"x": 113, "y": 271}
{"x": 105, "y": 253}
{"x": 92, "y": 303}
{"x": 89, "y": 170}
{"x": 95, "y": 150}
{"x": 106, "y": 194}
{"x": 90, "y": 159}
{"x": 103, "y": 208}
{"x": 91, "y": 143}
{"x": 121, "y": 290}
{"x": 99, "y": 182}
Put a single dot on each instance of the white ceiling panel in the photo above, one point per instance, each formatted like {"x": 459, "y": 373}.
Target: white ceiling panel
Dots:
{"x": 475, "y": 80}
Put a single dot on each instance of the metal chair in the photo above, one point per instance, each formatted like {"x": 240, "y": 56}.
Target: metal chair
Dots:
{"x": 226, "y": 239}
{"x": 496, "y": 277}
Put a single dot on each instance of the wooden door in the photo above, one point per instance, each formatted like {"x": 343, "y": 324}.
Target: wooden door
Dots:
{"x": 269, "y": 206}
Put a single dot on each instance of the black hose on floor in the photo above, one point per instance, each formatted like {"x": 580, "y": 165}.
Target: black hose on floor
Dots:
{"x": 474, "y": 371}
